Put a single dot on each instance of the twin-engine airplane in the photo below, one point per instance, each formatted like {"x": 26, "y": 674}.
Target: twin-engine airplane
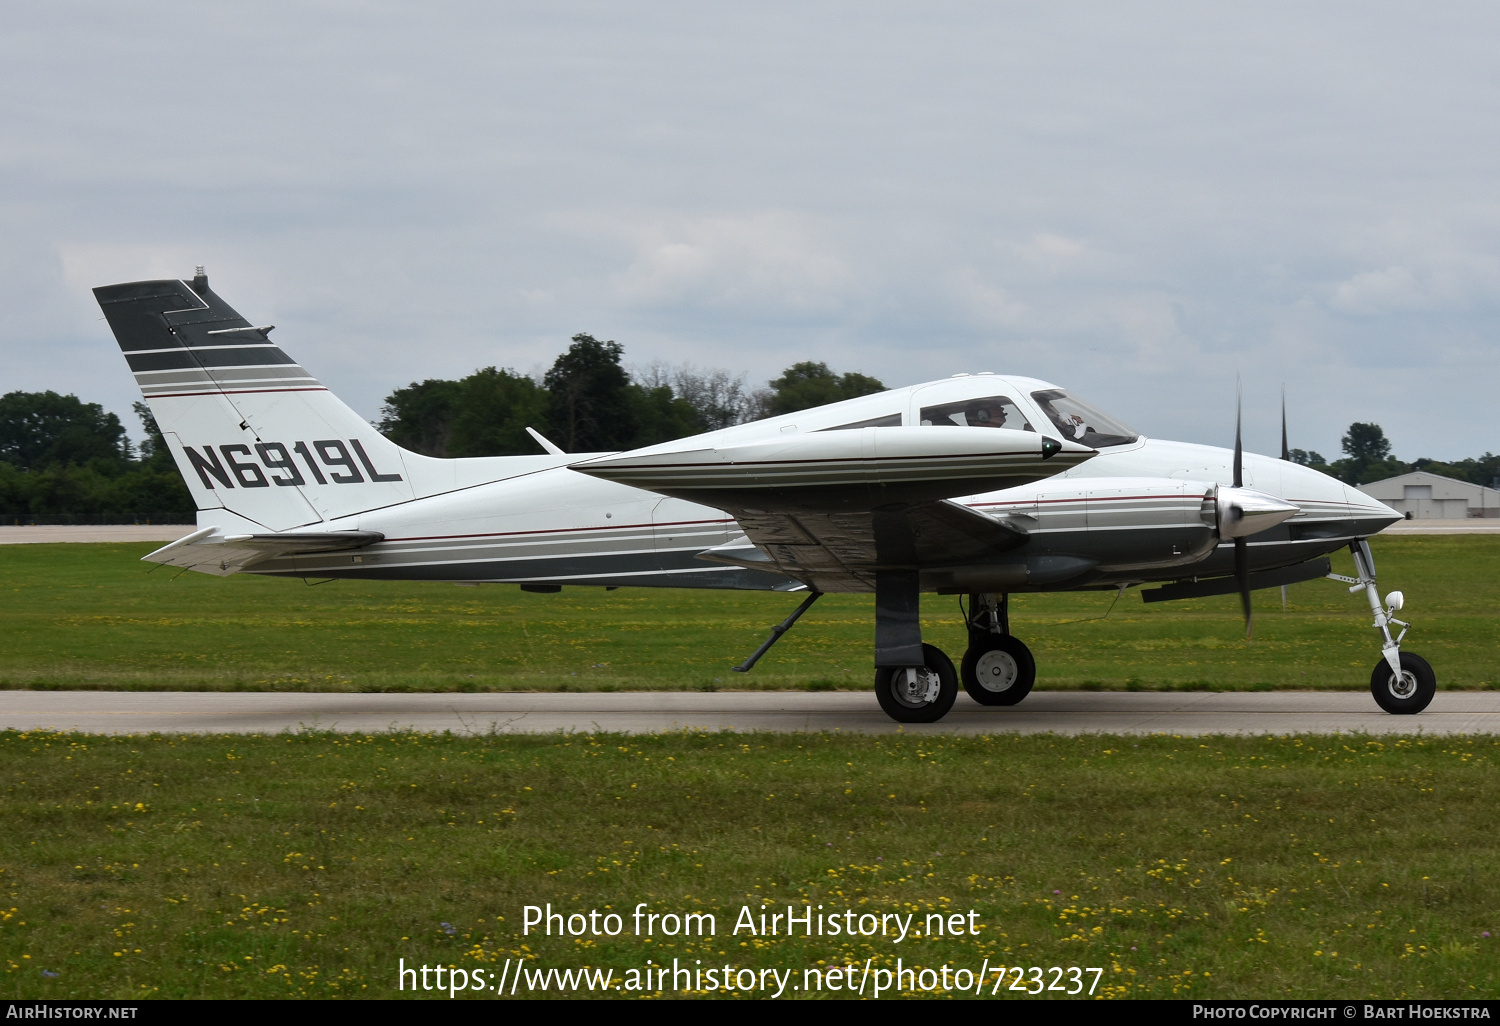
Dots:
{"x": 979, "y": 485}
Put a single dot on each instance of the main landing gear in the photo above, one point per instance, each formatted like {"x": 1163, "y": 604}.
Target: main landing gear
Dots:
{"x": 916, "y": 682}
{"x": 1402, "y": 682}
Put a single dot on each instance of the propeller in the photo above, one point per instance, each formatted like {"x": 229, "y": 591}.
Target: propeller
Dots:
{"x": 1286, "y": 453}
{"x": 1241, "y": 546}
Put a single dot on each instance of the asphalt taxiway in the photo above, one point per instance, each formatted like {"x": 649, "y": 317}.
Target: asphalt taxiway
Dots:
{"x": 1062, "y": 712}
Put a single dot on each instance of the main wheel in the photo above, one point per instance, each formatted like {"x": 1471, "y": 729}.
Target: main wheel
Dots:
{"x": 918, "y": 694}
{"x": 998, "y": 670}
{"x": 1410, "y": 692}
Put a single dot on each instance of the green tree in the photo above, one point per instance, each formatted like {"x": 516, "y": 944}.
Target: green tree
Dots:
{"x": 592, "y": 409}
{"x": 808, "y": 384}
{"x": 1367, "y": 456}
{"x": 1366, "y": 443}
{"x": 661, "y": 416}
{"x": 494, "y": 409}
{"x": 420, "y": 416}
{"x": 44, "y": 429}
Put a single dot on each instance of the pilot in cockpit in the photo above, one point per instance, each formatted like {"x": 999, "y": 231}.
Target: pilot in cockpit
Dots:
{"x": 985, "y": 413}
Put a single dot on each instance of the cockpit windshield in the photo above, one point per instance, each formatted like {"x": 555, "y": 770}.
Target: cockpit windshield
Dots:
{"x": 991, "y": 411}
{"x": 1079, "y": 422}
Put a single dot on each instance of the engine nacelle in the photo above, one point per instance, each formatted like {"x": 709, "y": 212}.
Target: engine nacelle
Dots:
{"x": 1243, "y": 512}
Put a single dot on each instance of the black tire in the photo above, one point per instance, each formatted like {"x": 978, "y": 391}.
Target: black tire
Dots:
{"x": 903, "y": 707}
{"x": 1408, "y": 695}
{"x": 999, "y": 670}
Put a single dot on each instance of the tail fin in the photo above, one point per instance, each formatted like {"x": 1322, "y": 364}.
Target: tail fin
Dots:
{"x": 252, "y": 432}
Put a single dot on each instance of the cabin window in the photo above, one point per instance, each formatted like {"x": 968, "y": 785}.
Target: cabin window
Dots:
{"x": 1079, "y": 422}
{"x": 890, "y": 420}
{"x": 991, "y": 411}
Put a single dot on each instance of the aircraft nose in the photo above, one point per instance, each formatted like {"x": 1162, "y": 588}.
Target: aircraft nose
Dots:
{"x": 1370, "y": 510}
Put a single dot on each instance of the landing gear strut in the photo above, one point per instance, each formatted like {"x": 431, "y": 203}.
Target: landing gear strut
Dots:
{"x": 1402, "y": 683}
{"x": 997, "y": 668}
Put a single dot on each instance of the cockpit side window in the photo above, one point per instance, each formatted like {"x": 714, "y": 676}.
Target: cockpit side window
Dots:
{"x": 992, "y": 411}
{"x": 1079, "y": 422}
{"x": 890, "y": 420}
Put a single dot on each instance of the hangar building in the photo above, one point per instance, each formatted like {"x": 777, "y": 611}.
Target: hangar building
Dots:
{"x": 1424, "y": 496}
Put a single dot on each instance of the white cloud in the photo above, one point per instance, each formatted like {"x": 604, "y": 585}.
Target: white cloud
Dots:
{"x": 984, "y": 304}
{"x": 767, "y": 264}
{"x": 1373, "y": 292}
{"x": 1051, "y": 252}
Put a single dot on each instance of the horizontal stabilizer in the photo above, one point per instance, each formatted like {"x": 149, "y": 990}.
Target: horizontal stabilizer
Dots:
{"x": 213, "y": 552}
{"x": 845, "y": 470}
{"x": 1308, "y": 571}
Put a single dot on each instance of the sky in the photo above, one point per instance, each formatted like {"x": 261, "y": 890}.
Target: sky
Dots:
{"x": 1140, "y": 202}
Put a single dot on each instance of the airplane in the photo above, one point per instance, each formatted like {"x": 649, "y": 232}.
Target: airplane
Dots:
{"x": 979, "y": 485}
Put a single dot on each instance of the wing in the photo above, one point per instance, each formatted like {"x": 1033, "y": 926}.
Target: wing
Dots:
{"x": 832, "y": 508}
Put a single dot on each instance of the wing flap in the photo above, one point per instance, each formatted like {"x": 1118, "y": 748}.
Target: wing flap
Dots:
{"x": 823, "y": 548}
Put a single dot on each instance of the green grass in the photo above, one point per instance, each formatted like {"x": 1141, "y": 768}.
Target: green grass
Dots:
{"x": 93, "y": 616}
{"x": 308, "y": 865}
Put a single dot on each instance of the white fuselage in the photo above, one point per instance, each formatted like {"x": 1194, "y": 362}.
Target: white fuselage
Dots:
{"x": 1138, "y": 511}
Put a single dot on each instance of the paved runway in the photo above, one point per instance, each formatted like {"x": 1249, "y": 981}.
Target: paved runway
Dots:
{"x": 1063, "y": 712}
{"x": 46, "y": 534}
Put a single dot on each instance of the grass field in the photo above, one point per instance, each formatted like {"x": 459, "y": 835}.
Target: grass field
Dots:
{"x": 93, "y": 616}
{"x": 308, "y": 865}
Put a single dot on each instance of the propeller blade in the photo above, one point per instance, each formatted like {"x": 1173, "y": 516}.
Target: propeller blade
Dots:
{"x": 1239, "y": 450}
{"x": 1242, "y": 577}
{"x": 1286, "y": 453}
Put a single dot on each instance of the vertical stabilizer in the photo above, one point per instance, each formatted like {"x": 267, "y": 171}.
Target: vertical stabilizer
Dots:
{"x": 252, "y": 431}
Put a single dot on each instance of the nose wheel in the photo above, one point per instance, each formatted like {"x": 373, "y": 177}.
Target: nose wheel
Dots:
{"x": 998, "y": 669}
{"x": 1406, "y": 693}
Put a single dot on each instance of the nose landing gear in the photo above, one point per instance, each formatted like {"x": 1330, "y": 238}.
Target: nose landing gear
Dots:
{"x": 1402, "y": 683}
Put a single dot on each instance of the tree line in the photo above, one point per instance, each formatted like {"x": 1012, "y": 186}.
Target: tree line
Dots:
{"x": 1367, "y": 457}
{"x": 62, "y": 457}
{"x": 589, "y": 402}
